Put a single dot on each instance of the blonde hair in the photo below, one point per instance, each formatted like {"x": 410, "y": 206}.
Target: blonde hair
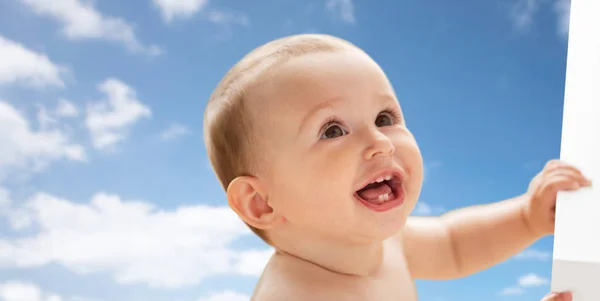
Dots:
{"x": 228, "y": 130}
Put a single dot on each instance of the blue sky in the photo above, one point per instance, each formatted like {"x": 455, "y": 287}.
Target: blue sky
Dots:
{"x": 105, "y": 189}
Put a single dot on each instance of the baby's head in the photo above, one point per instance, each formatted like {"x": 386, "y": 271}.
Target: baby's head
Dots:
{"x": 298, "y": 128}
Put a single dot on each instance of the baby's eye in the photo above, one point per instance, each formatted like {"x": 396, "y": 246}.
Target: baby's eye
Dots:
{"x": 383, "y": 120}
{"x": 332, "y": 132}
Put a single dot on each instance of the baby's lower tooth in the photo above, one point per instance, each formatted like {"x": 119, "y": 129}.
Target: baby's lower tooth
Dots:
{"x": 383, "y": 197}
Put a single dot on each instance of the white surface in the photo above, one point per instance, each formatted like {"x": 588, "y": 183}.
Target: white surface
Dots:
{"x": 577, "y": 235}
{"x": 581, "y": 278}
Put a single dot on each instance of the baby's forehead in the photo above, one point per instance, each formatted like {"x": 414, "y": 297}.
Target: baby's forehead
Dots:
{"x": 341, "y": 81}
{"x": 289, "y": 97}
{"x": 310, "y": 80}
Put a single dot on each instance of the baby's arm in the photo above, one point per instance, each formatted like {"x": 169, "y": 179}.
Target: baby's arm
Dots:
{"x": 469, "y": 240}
{"x": 466, "y": 241}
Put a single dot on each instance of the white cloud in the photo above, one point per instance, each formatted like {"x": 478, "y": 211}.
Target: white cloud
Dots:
{"x": 563, "y": 11}
{"x": 175, "y": 130}
{"x": 21, "y": 65}
{"x": 185, "y": 9}
{"x": 81, "y": 21}
{"x": 28, "y": 149}
{"x": 48, "y": 119}
{"x": 524, "y": 282}
{"x": 252, "y": 262}
{"x": 4, "y": 199}
{"x": 44, "y": 119}
{"x": 109, "y": 120}
{"x": 132, "y": 241}
{"x": 26, "y": 291}
{"x": 226, "y": 296}
{"x": 66, "y": 108}
{"x": 22, "y": 291}
{"x": 18, "y": 219}
{"x": 172, "y": 9}
{"x": 534, "y": 255}
{"x": 523, "y": 13}
{"x": 226, "y": 17}
{"x": 425, "y": 209}
{"x": 428, "y": 167}
{"x": 531, "y": 280}
{"x": 512, "y": 291}
{"x": 343, "y": 8}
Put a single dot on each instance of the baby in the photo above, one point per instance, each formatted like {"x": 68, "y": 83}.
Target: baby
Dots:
{"x": 308, "y": 139}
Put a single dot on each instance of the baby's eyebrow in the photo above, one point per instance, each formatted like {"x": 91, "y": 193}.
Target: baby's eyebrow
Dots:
{"x": 316, "y": 109}
{"x": 387, "y": 97}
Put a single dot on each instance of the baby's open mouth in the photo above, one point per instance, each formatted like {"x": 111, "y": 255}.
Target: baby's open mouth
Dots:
{"x": 381, "y": 190}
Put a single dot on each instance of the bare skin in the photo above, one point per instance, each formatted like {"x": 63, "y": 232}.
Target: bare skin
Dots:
{"x": 562, "y": 296}
{"x": 287, "y": 277}
{"x": 331, "y": 246}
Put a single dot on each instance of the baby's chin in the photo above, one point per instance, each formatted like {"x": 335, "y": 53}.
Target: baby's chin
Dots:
{"x": 381, "y": 226}
{"x": 376, "y": 226}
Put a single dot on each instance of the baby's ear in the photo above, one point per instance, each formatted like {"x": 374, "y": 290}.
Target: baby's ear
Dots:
{"x": 247, "y": 197}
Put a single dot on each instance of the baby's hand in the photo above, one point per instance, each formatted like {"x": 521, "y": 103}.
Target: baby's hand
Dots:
{"x": 556, "y": 176}
{"x": 564, "y": 296}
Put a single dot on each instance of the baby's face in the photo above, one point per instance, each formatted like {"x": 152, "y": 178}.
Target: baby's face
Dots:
{"x": 329, "y": 125}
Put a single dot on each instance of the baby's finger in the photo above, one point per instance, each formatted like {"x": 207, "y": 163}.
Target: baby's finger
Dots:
{"x": 562, "y": 167}
{"x": 557, "y": 164}
{"x": 561, "y": 182}
{"x": 553, "y": 163}
{"x": 570, "y": 172}
{"x": 550, "y": 187}
{"x": 564, "y": 296}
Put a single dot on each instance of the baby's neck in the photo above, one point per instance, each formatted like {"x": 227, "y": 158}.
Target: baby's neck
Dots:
{"x": 352, "y": 259}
